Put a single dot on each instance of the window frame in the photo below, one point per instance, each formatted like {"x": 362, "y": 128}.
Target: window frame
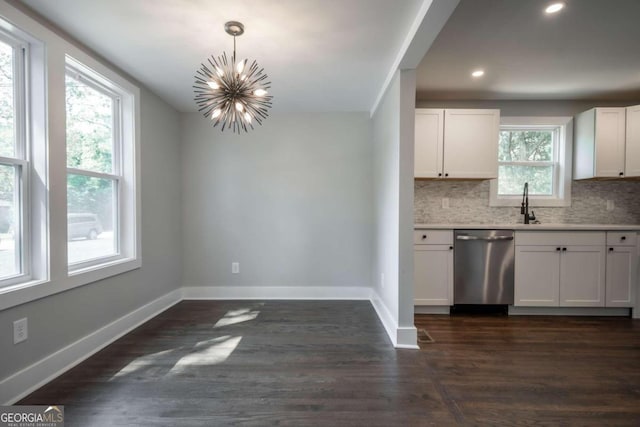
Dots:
{"x": 45, "y": 129}
{"x": 115, "y": 176}
{"x": 20, "y": 161}
{"x": 562, "y": 162}
{"x": 123, "y": 173}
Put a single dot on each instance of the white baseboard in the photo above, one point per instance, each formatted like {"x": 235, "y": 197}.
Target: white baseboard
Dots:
{"x": 567, "y": 311}
{"x": 31, "y": 378}
{"x": 277, "y": 292}
{"x": 401, "y": 337}
{"x": 407, "y": 337}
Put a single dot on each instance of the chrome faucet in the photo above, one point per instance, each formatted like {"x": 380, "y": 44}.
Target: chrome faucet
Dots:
{"x": 524, "y": 209}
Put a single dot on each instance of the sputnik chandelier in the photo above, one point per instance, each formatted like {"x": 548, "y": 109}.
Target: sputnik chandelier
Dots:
{"x": 231, "y": 93}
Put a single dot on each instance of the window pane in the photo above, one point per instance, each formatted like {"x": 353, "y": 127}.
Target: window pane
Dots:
{"x": 91, "y": 222}
{"x": 7, "y": 116}
{"x": 525, "y": 145}
{"x": 89, "y": 127}
{"x": 511, "y": 180}
{"x": 9, "y": 224}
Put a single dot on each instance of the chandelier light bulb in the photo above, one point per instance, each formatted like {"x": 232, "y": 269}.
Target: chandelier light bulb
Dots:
{"x": 240, "y": 66}
{"x": 233, "y": 94}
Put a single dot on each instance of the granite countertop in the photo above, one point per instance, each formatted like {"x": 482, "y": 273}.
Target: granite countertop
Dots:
{"x": 531, "y": 227}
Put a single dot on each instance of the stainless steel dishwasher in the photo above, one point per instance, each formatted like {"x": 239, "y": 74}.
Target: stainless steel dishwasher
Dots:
{"x": 483, "y": 267}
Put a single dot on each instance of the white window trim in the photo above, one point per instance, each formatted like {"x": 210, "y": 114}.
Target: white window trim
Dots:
{"x": 46, "y": 128}
{"x": 30, "y": 158}
{"x": 562, "y": 174}
{"x": 125, "y": 154}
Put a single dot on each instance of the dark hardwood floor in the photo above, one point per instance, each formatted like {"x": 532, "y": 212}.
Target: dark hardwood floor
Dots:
{"x": 299, "y": 363}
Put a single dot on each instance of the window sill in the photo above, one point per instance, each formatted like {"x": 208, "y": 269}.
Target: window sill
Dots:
{"x": 26, "y": 292}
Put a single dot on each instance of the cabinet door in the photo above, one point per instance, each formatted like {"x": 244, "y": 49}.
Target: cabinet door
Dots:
{"x": 433, "y": 275}
{"x": 428, "y": 143}
{"x": 582, "y": 276}
{"x": 471, "y": 143}
{"x": 621, "y": 276}
{"x": 632, "y": 156}
{"x": 610, "y": 141}
{"x": 537, "y": 278}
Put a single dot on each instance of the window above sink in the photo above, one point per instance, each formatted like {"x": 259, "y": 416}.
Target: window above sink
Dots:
{"x": 536, "y": 150}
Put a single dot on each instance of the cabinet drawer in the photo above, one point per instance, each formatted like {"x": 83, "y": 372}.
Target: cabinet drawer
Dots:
{"x": 577, "y": 238}
{"x": 433, "y": 237}
{"x": 621, "y": 238}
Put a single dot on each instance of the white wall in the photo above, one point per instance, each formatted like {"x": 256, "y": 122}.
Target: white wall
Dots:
{"x": 392, "y": 136}
{"x": 291, "y": 202}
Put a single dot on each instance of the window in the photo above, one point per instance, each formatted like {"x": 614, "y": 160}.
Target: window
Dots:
{"x": 77, "y": 165}
{"x": 536, "y": 150}
{"x": 14, "y": 162}
{"x": 100, "y": 157}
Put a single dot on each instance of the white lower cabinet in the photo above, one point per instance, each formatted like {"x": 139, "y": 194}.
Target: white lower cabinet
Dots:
{"x": 582, "y": 276}
{"x": 560, "y": 269}
{"x": 537, "y": 276}
{"x": 433, "y": 267}
{"x": 622, "y": 267}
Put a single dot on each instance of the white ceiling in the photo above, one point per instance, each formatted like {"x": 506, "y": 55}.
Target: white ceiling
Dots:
{"x": 320, "y": 55}
{"x": 590, "y": 50}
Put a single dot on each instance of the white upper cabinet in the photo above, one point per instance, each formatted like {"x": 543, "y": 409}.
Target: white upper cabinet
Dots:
{"x": 607, "y": 143}
{"x": 456, "y": 143}
{"x": 632, "y": 160}
{"x": 471, "y": 143}
{"x": 428, "y": 144}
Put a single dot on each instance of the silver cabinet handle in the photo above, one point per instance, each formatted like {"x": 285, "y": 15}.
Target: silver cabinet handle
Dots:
{"x": 490, "y": 239}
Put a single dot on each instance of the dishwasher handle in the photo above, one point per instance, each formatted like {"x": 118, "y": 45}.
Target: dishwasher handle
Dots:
{"x": 488, "y": 239}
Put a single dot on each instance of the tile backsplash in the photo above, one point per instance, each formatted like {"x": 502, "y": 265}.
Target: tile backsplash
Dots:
{"x": 469, "y": 204}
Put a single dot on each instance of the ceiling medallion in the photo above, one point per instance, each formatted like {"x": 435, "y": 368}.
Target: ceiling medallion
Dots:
{"x": 230, "y": 92}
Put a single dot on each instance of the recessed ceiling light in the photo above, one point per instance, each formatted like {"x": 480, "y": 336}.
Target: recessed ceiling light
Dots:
{"x": 478, "y": 73}
{"x": 554, "y": 8}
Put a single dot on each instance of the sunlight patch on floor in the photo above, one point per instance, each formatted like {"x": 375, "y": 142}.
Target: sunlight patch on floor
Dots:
{"x": 233, "y": 317}
{"x": 210, "y": 352}
{"x": 141, "y": 363}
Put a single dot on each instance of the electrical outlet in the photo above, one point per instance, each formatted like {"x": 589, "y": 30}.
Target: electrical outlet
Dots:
{"x": 235, "y": 267}
{"x": 382, "y": 280}
{"x": 20, "y": 330}
{"x": 445, "y": 203}
{"x": 610, "y": 205}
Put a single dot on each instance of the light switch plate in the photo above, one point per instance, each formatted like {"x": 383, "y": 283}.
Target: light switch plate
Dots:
{"x": 445, "y": 203}
{"x": 235, "y": 267}
{"x": 610, "y": 205}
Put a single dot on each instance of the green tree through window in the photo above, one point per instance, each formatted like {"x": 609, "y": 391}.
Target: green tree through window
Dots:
{"x": 526, "y": 156}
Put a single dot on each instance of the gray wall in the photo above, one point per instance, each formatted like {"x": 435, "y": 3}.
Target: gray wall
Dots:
{"x": 393, "y": 140}
{"x": 469, "y": 200}
{"x": 291, "y": 202}
{"x": 61, "y": 319}
{"x": 386, "y": 185}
